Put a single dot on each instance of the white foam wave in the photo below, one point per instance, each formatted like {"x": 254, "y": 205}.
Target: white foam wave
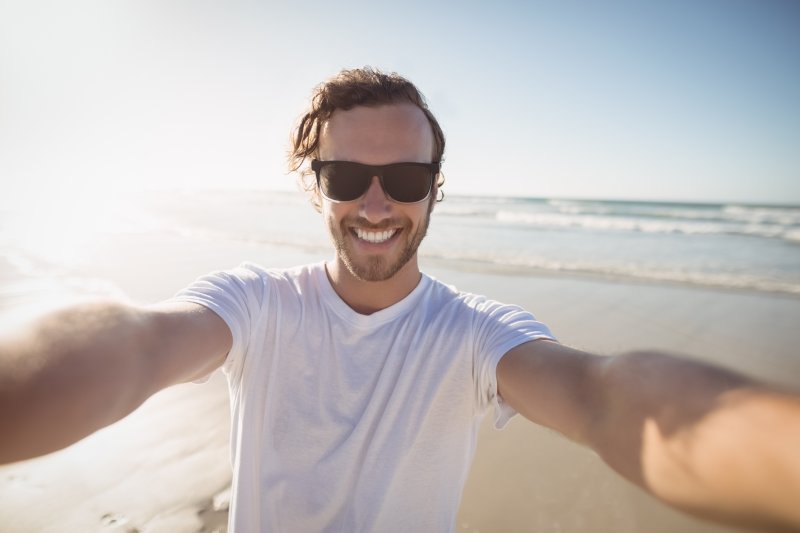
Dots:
{"x": 575, "y": 207}
{"x": 792, "y": 235}
{"x": 759, "y": 220}
{"x": 34, "y": 272}
{"x": 738, "y": 281}
{"x": 785, "y": 216}
{"x": 463, "y": 211}
{"x": 636, "y": 224}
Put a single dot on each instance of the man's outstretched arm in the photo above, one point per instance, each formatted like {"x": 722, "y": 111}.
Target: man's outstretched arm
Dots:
{"x": 79, "y": 369}
{"x": 700, "y": 438}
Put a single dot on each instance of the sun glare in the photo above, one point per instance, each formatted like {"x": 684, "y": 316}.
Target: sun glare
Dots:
{"x": 62, "y": 229}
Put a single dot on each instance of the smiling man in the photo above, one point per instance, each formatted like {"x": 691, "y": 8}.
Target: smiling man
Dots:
{"x": 377, "y": 235}
{"x": 358, "y": 384}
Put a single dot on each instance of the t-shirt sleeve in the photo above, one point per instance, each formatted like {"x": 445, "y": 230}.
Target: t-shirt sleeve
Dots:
{"x": 238, "y": 296}
{"x": 500, "y": 328}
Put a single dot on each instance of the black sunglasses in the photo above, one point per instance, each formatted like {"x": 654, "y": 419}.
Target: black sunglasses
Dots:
{"x": 345, "y": 181}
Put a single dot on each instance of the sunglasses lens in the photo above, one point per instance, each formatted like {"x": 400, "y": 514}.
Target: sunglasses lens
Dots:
{"x": 344, "y": 182}
{"x": 407, "y": 183}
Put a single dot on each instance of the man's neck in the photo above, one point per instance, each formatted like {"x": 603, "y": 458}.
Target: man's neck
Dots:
{"x": 367, "y": 297}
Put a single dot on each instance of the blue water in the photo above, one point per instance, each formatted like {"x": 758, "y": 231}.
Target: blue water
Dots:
{"x": 730, "y": 246}
{"x": 720, "y": 245}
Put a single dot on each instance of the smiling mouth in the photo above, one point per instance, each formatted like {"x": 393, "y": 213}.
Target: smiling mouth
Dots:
{"x": 375, "y": 237}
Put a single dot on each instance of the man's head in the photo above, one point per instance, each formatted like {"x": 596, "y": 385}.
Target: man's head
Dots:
{"x": 368, "y": 117}
{"x": 353, "y": 88}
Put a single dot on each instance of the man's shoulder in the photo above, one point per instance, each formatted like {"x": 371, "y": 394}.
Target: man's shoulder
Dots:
{"x": 253, "y": 280}
{"x": 445, "y": 294}
{"x": 485, "y": 316}
{"x": 252, "y": 270}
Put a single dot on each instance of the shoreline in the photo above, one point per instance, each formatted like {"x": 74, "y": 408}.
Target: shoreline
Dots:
{"x": 489, "y": 267}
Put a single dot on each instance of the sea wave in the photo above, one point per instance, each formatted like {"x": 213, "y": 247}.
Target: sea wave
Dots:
{"x": 661, "y": 217}
{"x": 785, "y": 216}
{"x": 643, "y": 225}
{"x": 792, "y": 235}
{"x": 576, "y": 207}
{"x": 464, "y": 211}
{"x": 627, "y": 271}
{"x": 33, "y": 274}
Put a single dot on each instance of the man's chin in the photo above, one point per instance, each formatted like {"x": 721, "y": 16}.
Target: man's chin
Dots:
{"x": 376, "y": 267}
{"x": 372, "y": 269}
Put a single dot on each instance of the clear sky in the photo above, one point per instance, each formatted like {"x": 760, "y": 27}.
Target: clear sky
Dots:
{"x": 695, "y": 100}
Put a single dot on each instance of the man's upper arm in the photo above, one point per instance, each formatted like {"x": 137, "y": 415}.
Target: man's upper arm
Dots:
{"x": 551, "y": 384}
{"x": 189, "y": 342}
{"x": 79, "y": 369}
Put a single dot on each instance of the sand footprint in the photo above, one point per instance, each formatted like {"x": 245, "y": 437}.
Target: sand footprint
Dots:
{"x": 115, "y": 522}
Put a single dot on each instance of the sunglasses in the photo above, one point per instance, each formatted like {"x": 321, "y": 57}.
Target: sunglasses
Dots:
{"x": 345, "y": 181}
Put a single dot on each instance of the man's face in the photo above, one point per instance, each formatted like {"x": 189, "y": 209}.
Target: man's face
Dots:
{"x": 375, "y": 237}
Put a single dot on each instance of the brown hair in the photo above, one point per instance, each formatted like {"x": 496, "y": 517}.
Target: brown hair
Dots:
{"x": 350, "y": 88}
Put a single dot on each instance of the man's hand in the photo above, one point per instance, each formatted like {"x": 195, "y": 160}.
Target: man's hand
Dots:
{"x": 700, "y": 438}
{"x": 80, "y": 369}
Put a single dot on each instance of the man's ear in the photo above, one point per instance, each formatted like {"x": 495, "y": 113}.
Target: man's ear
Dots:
{"x": 437, "y": 194}
{"x": 437, "y": 187}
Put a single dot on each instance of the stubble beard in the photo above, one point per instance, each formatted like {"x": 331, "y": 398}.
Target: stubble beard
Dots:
{"x": 376, "y": 267}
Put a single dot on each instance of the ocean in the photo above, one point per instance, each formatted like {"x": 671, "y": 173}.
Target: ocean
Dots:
{"x": 731, "y": 246}
{"x": 62, "y": 245}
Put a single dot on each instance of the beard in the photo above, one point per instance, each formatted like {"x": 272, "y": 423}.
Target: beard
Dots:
{"x": 377, "y": 267}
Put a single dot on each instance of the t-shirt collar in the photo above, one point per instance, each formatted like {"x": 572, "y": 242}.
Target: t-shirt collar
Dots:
{"x": 344, "y": 311}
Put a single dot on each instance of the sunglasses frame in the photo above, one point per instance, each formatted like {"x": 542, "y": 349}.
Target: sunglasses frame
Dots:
{"x": 376, "y": 170}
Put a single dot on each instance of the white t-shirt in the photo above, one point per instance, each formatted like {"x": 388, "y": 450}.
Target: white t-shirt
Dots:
{"x": 343, "y": 422}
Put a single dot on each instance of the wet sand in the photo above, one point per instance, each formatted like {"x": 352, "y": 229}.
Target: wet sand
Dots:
{"x": 165, "y": 468}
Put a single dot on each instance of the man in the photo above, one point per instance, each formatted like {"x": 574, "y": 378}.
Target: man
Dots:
{"x": 357, "y": 385}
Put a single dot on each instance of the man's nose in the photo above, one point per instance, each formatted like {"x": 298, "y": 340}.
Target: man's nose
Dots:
{"x": 374, "y": 205}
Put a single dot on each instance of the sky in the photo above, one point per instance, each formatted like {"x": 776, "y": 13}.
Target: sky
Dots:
{"x": 676, "y": 101}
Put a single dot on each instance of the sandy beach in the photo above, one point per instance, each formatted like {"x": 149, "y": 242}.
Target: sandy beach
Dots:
{"x": 165, "y": 468}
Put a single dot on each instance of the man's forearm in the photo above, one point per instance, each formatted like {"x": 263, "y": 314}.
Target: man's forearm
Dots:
{"x": 701, "y": 438}
{"x": 67, "y": 375}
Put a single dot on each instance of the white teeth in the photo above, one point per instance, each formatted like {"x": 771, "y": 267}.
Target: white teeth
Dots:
{"x": 375, "y": 236}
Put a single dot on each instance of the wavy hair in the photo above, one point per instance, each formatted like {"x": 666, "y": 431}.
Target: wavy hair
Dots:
{"x": 350, "y": 88}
